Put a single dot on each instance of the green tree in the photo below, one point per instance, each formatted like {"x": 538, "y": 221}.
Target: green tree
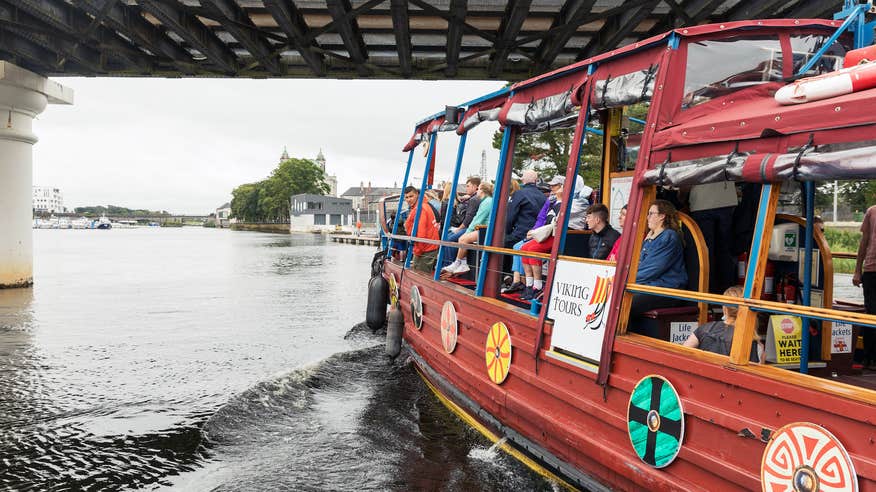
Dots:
{"x": 548, "y": 153}
{"x": 269, "y": 199}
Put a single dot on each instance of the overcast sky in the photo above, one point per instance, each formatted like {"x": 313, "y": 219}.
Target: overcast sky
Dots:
{"x": 182, "y": 145}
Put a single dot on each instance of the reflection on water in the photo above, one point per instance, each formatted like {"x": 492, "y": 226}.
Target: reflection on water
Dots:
{"x": 209, "y": 359}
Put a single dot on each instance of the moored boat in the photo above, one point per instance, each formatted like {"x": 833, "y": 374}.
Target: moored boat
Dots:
{"x": 602, "y": 399}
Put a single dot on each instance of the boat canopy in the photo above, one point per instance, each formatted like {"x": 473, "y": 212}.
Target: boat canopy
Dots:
{"x": 824, "y": 163}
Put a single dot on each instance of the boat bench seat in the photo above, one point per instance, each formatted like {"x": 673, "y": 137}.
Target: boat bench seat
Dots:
{"x": 577, "y": 244}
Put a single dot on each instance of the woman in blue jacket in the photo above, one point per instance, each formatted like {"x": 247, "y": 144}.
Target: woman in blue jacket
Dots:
{"x": 661, "y": 262}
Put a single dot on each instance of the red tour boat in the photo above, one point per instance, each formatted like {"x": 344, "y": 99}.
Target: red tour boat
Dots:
{"x": 599, "y": 399}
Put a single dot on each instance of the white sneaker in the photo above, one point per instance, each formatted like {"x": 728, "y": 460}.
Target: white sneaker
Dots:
{"x": 462, "y": 268}
{"x": 449, "y": 268}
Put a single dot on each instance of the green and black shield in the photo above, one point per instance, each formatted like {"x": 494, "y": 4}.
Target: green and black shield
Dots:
{"x": 656, "y": 421}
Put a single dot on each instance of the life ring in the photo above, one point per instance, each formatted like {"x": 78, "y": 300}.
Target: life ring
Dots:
{"x": 845, "y": 81}
{"x": 498, "y": 353}
{"x": 449, "y": 328}
{"x": 806, "y": 457}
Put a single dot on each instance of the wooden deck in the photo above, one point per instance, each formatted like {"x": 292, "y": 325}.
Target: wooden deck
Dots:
{"x": 353, "y": 239}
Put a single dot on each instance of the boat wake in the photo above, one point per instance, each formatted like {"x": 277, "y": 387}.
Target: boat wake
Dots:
{"x": 354, "y": 421}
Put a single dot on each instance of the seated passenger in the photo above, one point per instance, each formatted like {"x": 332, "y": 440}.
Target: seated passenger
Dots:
{"x": 517, "y": 261}
{"x": 717, "y": 336}
{"x": 468, "y": 207}
{"x": 579, "y": 205}
{"x": 661, "y": 262}
{"x": 621, "y": 218}
{"x": 604, "y": 236}
{"x": 532, "y": 266}
{"x": 485, "y": 195}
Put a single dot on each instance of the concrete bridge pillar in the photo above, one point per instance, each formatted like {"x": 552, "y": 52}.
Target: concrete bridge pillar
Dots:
{"x": 23, "y": 95}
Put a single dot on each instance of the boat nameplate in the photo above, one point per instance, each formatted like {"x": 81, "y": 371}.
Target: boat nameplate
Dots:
{"x": 393, "y": 290}
{"x": 498, "y": 352}
{"x": 449, "y": 327}
{"x": 655, "y": 420}
{"x": 416, "y": 307}
{"x": 803, "y": 457}
{"x": 580, "y": 294}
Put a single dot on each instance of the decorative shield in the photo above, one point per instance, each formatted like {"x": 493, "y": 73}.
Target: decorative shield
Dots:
{"x": 656, "y": 421}
{"x": 416, "y": 307}
{"x": 803, "y": 457}
{"x": 449, "y": 330}
{"x": 498, "y": 352}
{"x": 393, "y": 290}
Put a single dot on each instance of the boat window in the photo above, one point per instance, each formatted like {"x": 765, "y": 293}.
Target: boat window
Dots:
{"x": 716, "y": 68}
{"x": 804, "y": 46}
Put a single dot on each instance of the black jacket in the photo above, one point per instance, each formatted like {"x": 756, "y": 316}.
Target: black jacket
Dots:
{"x": 601, "y": 242}
{"x": 523, "y": 209}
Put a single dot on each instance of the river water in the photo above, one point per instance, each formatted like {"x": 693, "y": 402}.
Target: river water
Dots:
{"x": 202, "y": 359}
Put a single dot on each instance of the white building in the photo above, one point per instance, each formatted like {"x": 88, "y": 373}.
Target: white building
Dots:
{"x": 223, "y": 215}
{"x": 48, "y": 200}
{"x": 311, "y": 213}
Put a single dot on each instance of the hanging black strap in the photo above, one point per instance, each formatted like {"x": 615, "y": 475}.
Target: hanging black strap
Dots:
{"x": 649, "y": 76}
{"x": 806, "y": 147}
{"x": 730, "y": 157}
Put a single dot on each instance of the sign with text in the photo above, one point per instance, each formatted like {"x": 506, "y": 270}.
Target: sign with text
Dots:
{"x": 620, "y": 196}
{"x": 680, "y": 331}
{"x": 784, "y": 339}
{"x": 841, "y": 338}
{"x": 579, "y": 307}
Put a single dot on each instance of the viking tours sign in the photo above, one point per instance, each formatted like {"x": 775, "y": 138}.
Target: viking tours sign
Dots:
{"x": 578, "y": 306}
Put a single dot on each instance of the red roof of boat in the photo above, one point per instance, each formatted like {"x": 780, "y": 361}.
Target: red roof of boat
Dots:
{"x": 683, "y": 32}
{"x": 754, "y": 112}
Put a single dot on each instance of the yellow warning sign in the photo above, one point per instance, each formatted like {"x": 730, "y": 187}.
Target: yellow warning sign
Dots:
{"x": 786, "y": 337}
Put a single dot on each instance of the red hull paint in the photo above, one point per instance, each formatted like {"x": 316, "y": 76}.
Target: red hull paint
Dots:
{"x": 727, "y": 409}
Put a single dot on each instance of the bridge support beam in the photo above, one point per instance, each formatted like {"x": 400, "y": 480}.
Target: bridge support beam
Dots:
{"x": 23, "y": 95}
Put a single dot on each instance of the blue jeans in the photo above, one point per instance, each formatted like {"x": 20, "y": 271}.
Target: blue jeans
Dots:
{"x": 448, "y": 255}
{"x": 517, "y": 261}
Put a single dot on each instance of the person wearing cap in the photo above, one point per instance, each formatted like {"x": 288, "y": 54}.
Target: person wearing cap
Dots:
{"x": 532, "y": 266}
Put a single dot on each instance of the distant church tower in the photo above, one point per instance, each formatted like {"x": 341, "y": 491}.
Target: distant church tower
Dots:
{"x": 285, "y": 155}
{"x": 331, "y": 179}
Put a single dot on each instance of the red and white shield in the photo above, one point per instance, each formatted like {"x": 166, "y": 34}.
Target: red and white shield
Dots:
{"x": 805, "y": 457}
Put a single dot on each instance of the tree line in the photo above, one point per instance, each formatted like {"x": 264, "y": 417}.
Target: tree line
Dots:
{"x": 117, "y": 211}
{"x": 269, "y": 200}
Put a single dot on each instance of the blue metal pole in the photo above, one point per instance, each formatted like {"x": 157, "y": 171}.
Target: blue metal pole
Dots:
{"x": 491, "y": 226}
{"x": 433, "y": 139}
{"x": 855, "y": 16}
{"x": 809, "y": 187}
{"x": 401, "y": 199}
{"x": 460, "y": 151}
{"x": 755, "y": 246}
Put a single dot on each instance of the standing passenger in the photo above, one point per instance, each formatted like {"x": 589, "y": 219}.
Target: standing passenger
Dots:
{"x": 523, "y": 209}
{"x": 425, "y": 254}
{"x": 865, "y": 273}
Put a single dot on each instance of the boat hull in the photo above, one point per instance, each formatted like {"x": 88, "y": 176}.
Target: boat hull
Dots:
{"x": 730, "y": 412}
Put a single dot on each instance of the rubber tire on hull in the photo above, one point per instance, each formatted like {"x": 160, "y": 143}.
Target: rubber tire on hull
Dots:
{"x": 378, "y": 295}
